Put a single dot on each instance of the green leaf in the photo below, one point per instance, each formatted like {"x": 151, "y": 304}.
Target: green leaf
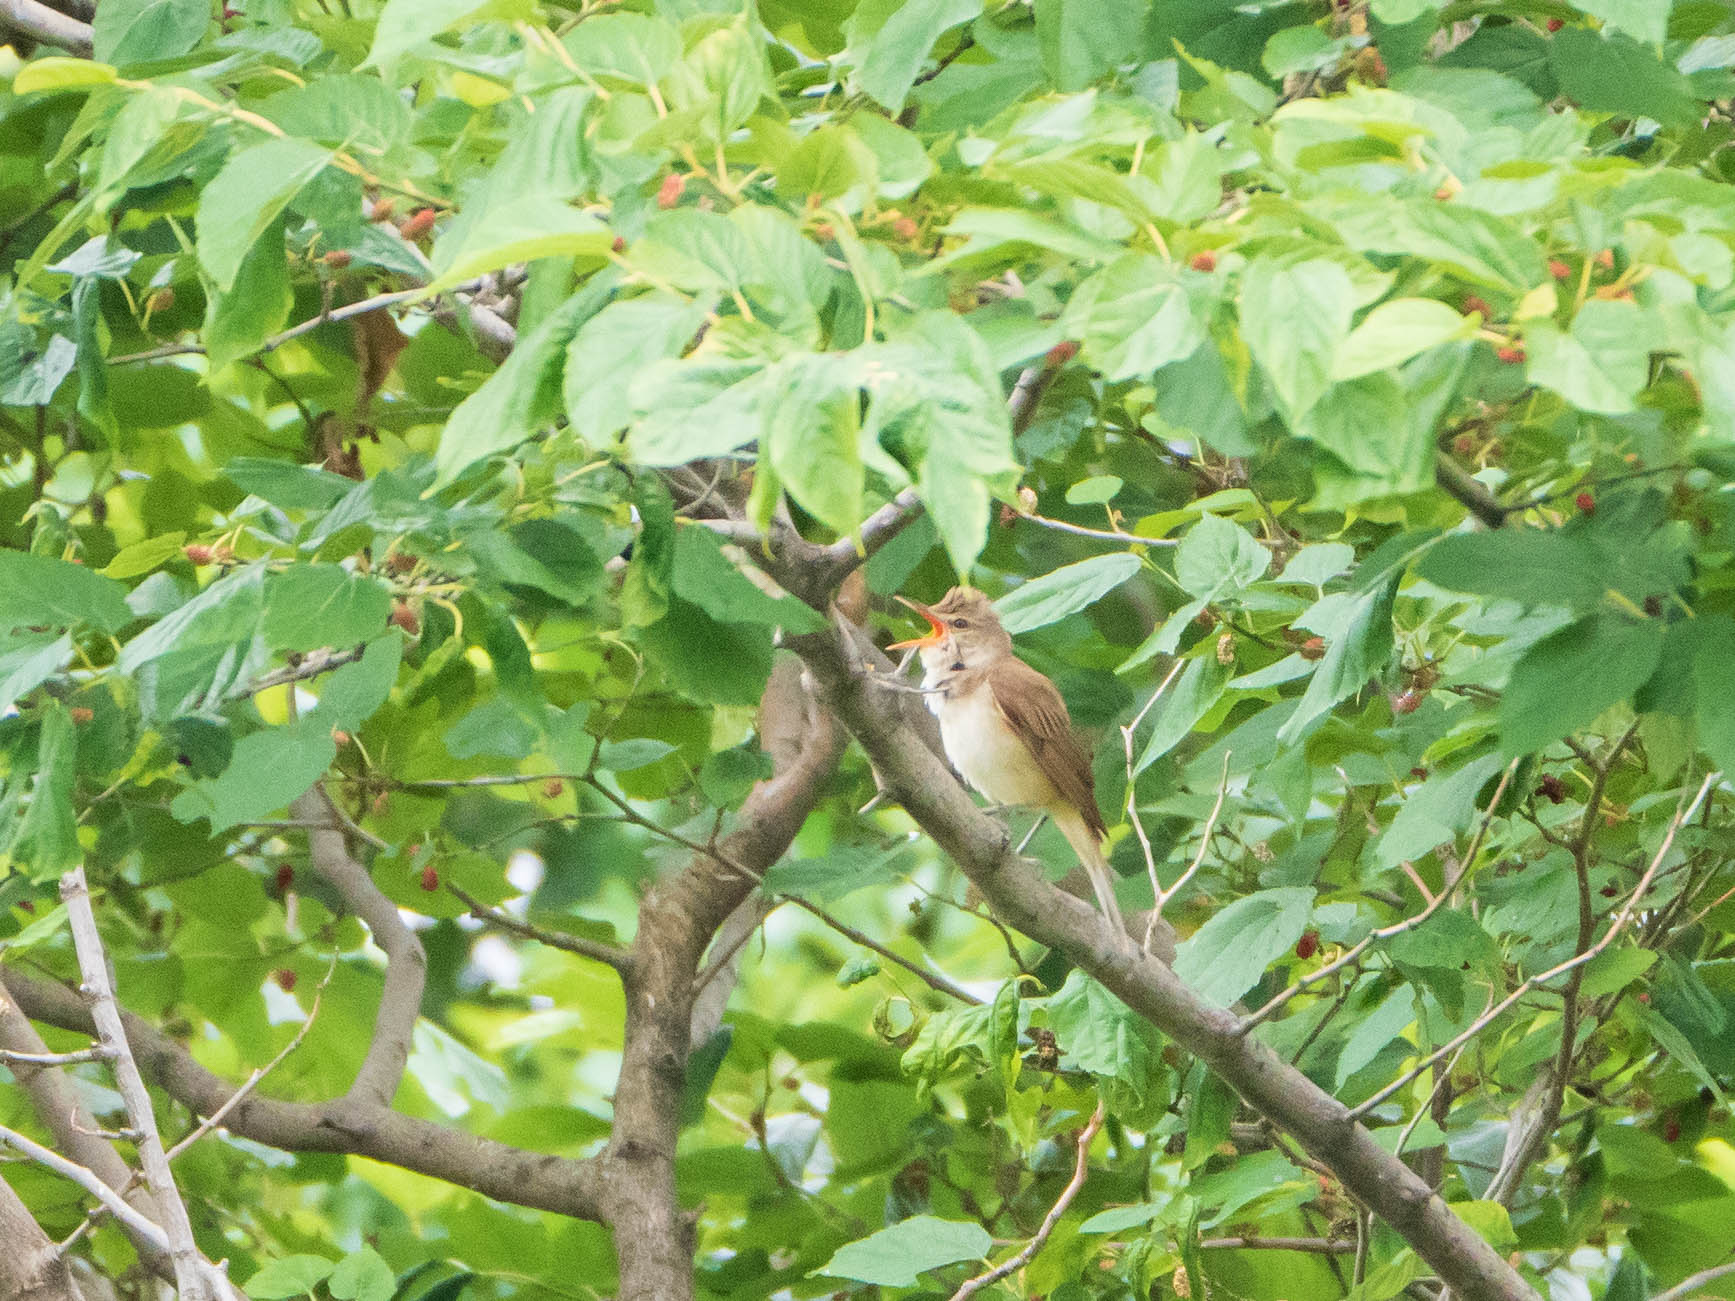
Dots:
{"x": 47, "y": 841}
{"x": 349, "y": 696}
{"x": 1374, "y": 1031}
{"x": 516, "y": 401}
{"x": 27, "y": 661}
{"x": 1099, "y": 1033}
{"x": 889, "y": 41}
{"x": 1295, "y": 317}
{"x": 138, "y": 31}
{"x": 1064, "y": 591}
{"x": 1714, "y": 678}
{"x": 269, "y": 769}
{"x": 709, "y": 579}
{"x": 894, "y": 1257}
{"x": 1478, "y": 245}
{"x": 1535, "y": 566}
{"x": 1081, "y": 40}
{"x": 363, "y": 1276}
{"x": 709, "y": 662}
{"x": 1569, "y": 677}
{"x": 242, "y": 201}
{"x": 289, "y": 1276}
{"x": 1611, "y": 73}
{"x": 1605, "y": 380}
{"x": 812, "y": 437}
{"x": 1218, "y": 557}
{"x": 531, "y": 226}
{"x": 145, "y": 555}
{"x": 1613, "y": 970}
{"x": 1435, "y": 812}
{"x": 310, "y": 606}
{"x": 1132, "y": 317}
{"x": 1201, "y": 686}
{"x": 1357, "y": 628}
{"x": 52, "y": 74}
{"x": 542, "y": 553}
{"x": 42, "y": 590}
{"x": 1094, "y": 491}
{"x": 240, "y": 319}
{"x": 630, "y": 47}
{"x": 405, "y": 24}
{"x": 615, "y": 345}
{"x": 1229, "y": 953}
{"x": 1394, "y": 332}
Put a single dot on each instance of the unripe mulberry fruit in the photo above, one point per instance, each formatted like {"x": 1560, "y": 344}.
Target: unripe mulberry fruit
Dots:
{"x": 1203, "y": 260}
{"x": 430, "y": 879}
{"x": 1551, "y": 788}
{"x": 1312, "y": 649}
{"x": 552, "y": 788}
{"x": 1512, "y": 354}
{"x": 1060, "y": 354}
{"x": 669, "y": 192}
{"x": 1585, "y": 503}
{"x": 1407, "y": 702}
{"x": 285, "y": 979}
{"x": 197, "y": 552}
{"x": 1558, "y": 269}
{"x": 1476, "y": 303}
{"x": 285, "y": 878}
{"x": 81, "y": 713}
{"x": 382, "y": 210}
{"x": 906, "y": 229}
{"x": 337, "y": 259}
{"x": 405, "y": 618}
{"x": 1307, "y": 945}
{"x": 160, "y": 300}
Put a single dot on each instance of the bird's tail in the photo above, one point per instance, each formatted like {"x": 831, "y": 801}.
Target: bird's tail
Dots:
{"x": 1085, "y": 844}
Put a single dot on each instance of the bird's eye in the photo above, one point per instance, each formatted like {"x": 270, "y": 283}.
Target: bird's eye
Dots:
{"x": 960, "y": 623}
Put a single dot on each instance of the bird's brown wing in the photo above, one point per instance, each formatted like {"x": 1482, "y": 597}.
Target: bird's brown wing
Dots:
{"x": 1033, "y": 708}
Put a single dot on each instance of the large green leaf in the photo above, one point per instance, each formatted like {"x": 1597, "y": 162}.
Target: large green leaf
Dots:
{"x": 1569, "y": 677}
{"x": 1295, "y": 317}
{"x": 136, "y": 31}
{"x": 405, "y": 24}
{"x": 890, "y": 39}
{"x": 1612, "y": 73}
{"x": 1230, "y": 952}
{"x": 1134, "y": 316}
{"x": 269, "y": 768}
{"x": 309, "y": 606}
{"x": 43, "y": 590}
{"x": 244, "y": 199}
{"x": 613, "y": 346}
{"x": 47, "y": 839}
{"x": 1064, "y": 591}
{"x": 894, "y": 1257}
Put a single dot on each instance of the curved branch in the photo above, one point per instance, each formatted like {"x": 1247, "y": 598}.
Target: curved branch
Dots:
{"x": 508, "y": 1174}
{"x": 1277, "y": 1090}
{"x": 677, "y": 920}
{"x": 382, "y": 1069}
{"x": 32, "y": 18}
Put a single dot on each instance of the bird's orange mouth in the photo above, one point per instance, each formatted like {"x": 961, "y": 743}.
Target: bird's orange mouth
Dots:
{"x": 934, "y": 638}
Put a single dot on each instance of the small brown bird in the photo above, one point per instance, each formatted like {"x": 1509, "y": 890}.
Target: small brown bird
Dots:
{"x": 1006, "y": 729}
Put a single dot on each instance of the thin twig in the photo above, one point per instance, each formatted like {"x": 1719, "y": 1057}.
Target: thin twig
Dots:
{"x": 1105, "y": 535}
{"x": 95, "y": 1054}
{"x": 933, "y": 979}
{"x": 1163, "y": 896}
{"x": 1396, "y": 928}
{"x": 252, "y": 1081}
{"x": 134, "y": 1220}
{"x": 596, "y": 950}
{"x": 1619, "y": 924}
{"x": 1693, "y": 1282}
{"x": 1028, "y": 1252}
{"x": 1314, "y": 1246}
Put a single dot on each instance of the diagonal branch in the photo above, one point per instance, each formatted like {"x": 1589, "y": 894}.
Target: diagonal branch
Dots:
{"x": 508, "y": 1174}
{"x": 196, "y": 1278}
{"x": 1277, "y": 1090}
{"x": 33, "y": 18}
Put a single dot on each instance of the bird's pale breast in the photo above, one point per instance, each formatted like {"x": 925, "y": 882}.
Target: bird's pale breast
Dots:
{"x": 987, "y": 752}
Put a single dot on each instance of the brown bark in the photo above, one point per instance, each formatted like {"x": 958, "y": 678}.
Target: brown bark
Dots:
{"x": 30, "y": 1268}
{"x": 1021, "y": 897}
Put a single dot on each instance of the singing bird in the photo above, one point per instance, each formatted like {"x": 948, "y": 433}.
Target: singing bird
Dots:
{"x": 1006, "y": 729}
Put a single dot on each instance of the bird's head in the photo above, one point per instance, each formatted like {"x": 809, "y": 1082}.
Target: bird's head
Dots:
{"x": 963, "y": 629}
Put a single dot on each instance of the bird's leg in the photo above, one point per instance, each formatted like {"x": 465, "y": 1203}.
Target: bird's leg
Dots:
{"x": 1031, "y": 834}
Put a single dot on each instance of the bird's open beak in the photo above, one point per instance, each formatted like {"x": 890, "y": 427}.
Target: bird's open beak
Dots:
{"x": 934, "y": 638}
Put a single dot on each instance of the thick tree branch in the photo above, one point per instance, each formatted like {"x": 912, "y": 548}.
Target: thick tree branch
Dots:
{"x": 49, "y": 1159}
{"x": 382, "y": 1069}
{"x": 677, "y": 919}
{"x": 34, "y": 19}
{"x": 30, "y": 1267}
{"x": 508, "y": 1174}
{"x": 1277, "y": 1090}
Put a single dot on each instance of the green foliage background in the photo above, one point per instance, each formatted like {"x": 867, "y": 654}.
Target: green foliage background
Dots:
{"x": 1387, "y": 490}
